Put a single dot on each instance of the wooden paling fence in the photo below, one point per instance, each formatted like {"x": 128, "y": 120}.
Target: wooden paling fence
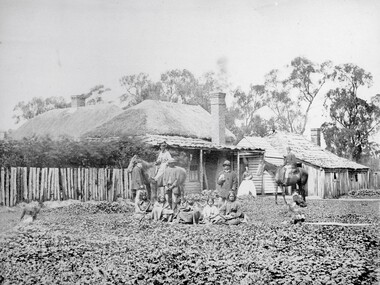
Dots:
{"x": 22, "y": 184}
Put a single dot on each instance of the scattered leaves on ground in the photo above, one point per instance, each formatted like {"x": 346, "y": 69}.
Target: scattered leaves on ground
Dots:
{"x": 101, "y": 243}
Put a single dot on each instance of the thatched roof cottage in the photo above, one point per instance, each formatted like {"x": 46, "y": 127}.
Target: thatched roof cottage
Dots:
{"x": 188, "y": 130}
{"x": 200, "y": 138}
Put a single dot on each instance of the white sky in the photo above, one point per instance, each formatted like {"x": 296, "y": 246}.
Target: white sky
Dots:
{"x": 62, "y": 48}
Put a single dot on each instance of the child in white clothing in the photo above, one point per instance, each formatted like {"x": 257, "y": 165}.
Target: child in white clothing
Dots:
{"x": 210, "y": 211}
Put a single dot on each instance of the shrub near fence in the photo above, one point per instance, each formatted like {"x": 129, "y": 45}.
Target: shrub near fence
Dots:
{"x": 22, "y": 184}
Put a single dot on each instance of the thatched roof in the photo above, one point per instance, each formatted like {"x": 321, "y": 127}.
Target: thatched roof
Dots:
{"x": 309, "y": 152}
{"x": 70, "y": 122}
{"x": 159, "y": 118}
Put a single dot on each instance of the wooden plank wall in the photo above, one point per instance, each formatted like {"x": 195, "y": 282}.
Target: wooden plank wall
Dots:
{"x": 339, "y": 182}
{"x": 253, "y": 165}
{"x": 374, "y": 180}
{"x": 21, "y": 184}
{"x": 269, "y": 183}
{"x": 315, "y": 179}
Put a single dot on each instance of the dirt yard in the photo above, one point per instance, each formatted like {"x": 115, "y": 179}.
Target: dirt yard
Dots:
{"x": 100, "y": 243}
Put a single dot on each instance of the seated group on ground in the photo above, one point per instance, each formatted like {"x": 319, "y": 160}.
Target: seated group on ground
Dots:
{"x": 225, "y": 211}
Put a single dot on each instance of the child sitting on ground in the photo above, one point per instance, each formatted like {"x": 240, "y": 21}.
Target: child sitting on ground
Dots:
{"x": 294, "y": 207}
{"x": 210, "y": 212}
{"x": 143, "y": 207}
{"x": 161, "y": 210}
{"x": 189, "y": 212}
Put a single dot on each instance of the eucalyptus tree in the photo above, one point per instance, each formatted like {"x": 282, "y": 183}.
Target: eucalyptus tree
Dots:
{"x": 139, "y": 87}
{"x": 36, "y": 106}
{"x": 288, "y": 115}
{"x": 353, "y": 119}
{"x": 307, "y": 79}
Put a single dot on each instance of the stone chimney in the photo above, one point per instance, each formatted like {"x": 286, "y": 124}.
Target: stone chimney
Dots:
{"x": 78, "y": 100}
{"x": 218, "y": 115}
{"x": 316, "y": 136}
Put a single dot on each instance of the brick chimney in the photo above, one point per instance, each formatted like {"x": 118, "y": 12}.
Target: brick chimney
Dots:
{"x": 218, "y": 114}
{"x": 79, "y": 100}
{"x": 316, "y": 136}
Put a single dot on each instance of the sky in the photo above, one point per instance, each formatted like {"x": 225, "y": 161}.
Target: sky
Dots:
{"x": 63, "y": 48}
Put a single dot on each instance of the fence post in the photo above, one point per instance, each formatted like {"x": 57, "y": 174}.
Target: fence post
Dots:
{"x": 12, "y": 201}
{"x": 7, "y": 188}
{"x": 2, "y": 186}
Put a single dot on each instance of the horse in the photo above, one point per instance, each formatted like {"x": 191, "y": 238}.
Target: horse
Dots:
{"x": 299, "y": 177}
{"x": 149, "y": 170}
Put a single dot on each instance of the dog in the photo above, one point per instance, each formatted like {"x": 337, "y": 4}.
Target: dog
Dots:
{"x": 298, "y": 201}
{"x": 32, "y": 210}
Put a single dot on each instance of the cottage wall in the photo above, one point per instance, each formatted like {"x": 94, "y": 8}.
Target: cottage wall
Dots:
{"x": 253, "y": 164}
{"x": 190, "y": 160}
{"x": 374, "y": 180}
{"x": 359, "y": 180}
{"x": 335, "y": 183}
{"x": 339, "y": 182}
{"x": 212, "y": 165}
{"x": 269, "y": 184}
{"x": 316, "y": 180}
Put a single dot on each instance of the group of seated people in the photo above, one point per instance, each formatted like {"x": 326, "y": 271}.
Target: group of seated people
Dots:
{"x": 225, "y": 211}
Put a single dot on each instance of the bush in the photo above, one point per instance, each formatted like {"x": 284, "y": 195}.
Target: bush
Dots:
{"x": 370, "y": 193}
{"x": 45, "y": 152}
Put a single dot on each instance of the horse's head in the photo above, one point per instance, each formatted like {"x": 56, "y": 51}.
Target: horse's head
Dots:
{"x": 132, "y": 163}
{"x": 261, "y": 168}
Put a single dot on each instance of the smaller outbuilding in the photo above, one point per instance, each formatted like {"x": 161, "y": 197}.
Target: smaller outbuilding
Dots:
{"x": 265, "y": 183}
{"x": 330, "y": 176}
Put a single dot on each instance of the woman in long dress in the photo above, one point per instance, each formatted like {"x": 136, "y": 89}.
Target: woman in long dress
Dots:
{"x": 230, "y": 213}
{"x": 247, "y": 186}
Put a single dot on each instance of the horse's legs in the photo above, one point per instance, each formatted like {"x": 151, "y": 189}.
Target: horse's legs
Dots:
{"x": 153, "y": 192}
{"x": 134, "y": 195}
{"x": 168, "y": 197}
{"x": 275, "y": 194}
{"x": 303, "y": 192}
{"x": 175, "y": 199}
{"x": 149, "y": 191}
{"x": 283, "y": 193}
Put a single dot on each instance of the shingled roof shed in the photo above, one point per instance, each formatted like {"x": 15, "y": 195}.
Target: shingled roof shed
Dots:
{"x": 329, "y": 174}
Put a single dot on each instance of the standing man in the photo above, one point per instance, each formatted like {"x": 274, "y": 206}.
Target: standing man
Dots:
{"x": 170, "y": 182}
{"x": 137, "y": 178}
{"x": 161, "y": 161}
{"x": 290, "y": 162}
{"x": 227, "y": 180}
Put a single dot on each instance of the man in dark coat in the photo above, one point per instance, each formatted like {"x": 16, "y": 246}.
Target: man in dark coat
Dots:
{"x": 170, "y": 181}
{"x": 137, "y": 179}
{"x": 290, "y": 164}
{"x": 227, "y": 180}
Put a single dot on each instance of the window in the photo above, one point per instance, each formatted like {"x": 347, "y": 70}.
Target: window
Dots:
{"x": 193, "y": 174}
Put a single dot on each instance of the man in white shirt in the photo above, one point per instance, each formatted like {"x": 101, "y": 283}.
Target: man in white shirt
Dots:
{"x": 162, "y": 160}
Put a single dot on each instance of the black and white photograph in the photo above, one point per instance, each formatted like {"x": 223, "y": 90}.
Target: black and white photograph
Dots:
{"x": 190, "y": 142}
